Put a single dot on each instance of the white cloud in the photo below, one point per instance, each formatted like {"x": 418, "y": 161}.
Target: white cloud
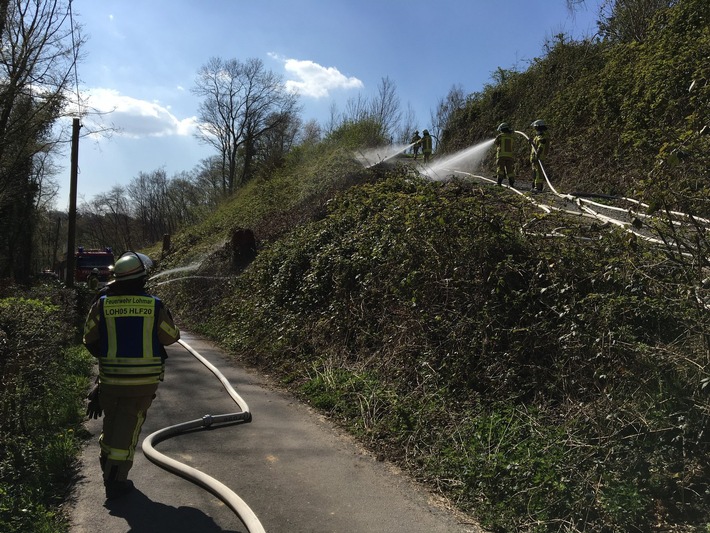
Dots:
{"x": 133, "y": 118}
{"x": 314, "y": 80}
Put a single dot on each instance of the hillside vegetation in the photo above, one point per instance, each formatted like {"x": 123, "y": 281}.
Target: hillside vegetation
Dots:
{"x": 540, "y": 383}
{"x": 615, "y": 108}
{"x": 44, "y": 381}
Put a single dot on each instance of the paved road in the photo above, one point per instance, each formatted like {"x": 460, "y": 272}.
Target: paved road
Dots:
{"x": 295, "y": 470}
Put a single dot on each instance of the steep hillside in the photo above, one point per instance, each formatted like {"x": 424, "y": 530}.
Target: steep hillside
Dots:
{"x": 544, "y": 372}
{"x": 532, "y": 380}
{"x": 615, "y": 109}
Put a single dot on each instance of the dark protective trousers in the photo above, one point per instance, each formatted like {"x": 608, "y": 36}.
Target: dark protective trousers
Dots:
{"x": 505, "y": 169}
{"x": 125, "y": 408}
{"x": 538, "y": 177}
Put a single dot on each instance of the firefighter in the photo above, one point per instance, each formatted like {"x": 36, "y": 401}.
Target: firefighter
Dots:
{"x": 93, "y": 280}
{"x": 416, "y": 141}
{"x": 427, "y": 145}
{"x": 126, "y": 330}
{"x": 540, "y": 145}
{"x": 504, "y": 154}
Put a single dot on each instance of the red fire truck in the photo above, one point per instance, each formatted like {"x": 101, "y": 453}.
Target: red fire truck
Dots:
{"x": 87, "y": 260}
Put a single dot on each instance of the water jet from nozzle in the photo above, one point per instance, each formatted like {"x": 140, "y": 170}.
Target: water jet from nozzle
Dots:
{"x": 375, "y": 156}
{"x": 466, "y": 160}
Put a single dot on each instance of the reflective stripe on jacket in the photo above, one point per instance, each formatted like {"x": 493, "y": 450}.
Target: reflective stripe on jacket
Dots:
{"x": 504, "y": 144}
{"x": 128, "y": 333}
{"x": 426, "y": 144}
{"x": 540, "y": 142}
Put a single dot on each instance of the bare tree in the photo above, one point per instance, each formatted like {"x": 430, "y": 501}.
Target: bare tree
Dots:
{"x": 147, "y": 195}
{"x": 106, "y": 221}
{"x": 310, "y": 133}
{"x": 184, "y": 201}
{"x": 380, "y": 116}
{"x": 628, "y": 20}
{"x": 38, "y": 51}
{"x": 384, "y": 108}
{"x": 334, "y": 119}
{"x": 408, "y": 125}
{"x": 240, "y": 100}
{"x": 446, "y": 108}
{"x": 276, "y": 142}
{"x": 208, "y": 179}
{"x": 357, "y": 109}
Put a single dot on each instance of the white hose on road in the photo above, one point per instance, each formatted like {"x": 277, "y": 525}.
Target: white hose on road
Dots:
{"x": 220, "y": 490}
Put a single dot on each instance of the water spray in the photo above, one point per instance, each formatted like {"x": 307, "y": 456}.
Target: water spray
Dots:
{"x": 465, "y": 159}
{"x": 189, "y": 277}
{"x": 375, "y": 156}
{"x": 187, "y": 268}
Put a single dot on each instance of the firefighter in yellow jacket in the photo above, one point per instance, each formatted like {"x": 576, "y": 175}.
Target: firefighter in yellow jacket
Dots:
{"x": 416, "y": 141}
{"x": 427, "y": 145}
{"x": 540, "y": 146}
{"x": 504, "y": 154}
{"x": 126, "y": 330}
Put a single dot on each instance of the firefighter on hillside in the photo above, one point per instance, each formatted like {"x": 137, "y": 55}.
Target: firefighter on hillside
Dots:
{"x": 504, "y": 154}
{"x": 416, "y": 141}
{"x": 126, "y": 330}
{"x": 540, "y": 146}
{"x": 427, "y": 145}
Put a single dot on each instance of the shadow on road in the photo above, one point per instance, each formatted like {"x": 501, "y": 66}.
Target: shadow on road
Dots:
{"x": 143, "y": 515}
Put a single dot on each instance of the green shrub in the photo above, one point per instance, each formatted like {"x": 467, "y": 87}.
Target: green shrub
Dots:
{"x": 41, "y": 401}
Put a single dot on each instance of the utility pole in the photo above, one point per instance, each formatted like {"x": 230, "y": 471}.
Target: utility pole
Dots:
{"x": 55, "y": 248}
{"x": 71, "y": 237}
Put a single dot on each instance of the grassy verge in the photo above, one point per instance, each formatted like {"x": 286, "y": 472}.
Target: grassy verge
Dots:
{"x": 44, "y": 379}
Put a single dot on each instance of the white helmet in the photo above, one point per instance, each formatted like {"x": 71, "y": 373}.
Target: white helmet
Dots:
{"x": 129, "y": 266}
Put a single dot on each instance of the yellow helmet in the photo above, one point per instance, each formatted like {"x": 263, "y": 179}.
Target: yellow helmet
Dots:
{"x": 129, "y": 266}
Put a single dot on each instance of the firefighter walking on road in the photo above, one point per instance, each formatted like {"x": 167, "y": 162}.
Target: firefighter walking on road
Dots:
{"x": 504, "y": 154}
{"x": 126, "y": 330}
{"x": 540, "y": 146}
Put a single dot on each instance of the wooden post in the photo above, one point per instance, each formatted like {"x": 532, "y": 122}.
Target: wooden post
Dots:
{"x": 71, "y": 237}
{"x": 166, "y": 244}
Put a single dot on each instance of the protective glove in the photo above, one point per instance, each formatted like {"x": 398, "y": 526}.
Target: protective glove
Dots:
{"x": 93, "y": 410}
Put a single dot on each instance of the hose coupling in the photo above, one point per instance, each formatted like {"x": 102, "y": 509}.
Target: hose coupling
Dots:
{"x": 207, "y": 421}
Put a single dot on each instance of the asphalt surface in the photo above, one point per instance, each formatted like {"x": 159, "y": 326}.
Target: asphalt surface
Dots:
{"x": 294, "y": 469}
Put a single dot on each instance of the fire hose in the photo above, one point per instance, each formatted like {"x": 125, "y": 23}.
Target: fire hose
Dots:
{"x": 220, "y": 490}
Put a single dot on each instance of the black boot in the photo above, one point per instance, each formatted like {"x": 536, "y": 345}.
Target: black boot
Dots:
{"x": 118, "y": 489}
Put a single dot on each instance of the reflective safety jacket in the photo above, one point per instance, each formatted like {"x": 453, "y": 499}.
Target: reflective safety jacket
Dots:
{"x": 540, "y": 145}
{"x": 504, "y": 145}
{"x": 426, "y": 144}
{"x": 127, "y": 333}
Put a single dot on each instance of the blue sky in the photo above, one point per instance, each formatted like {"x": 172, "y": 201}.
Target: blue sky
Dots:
{"x": 142, "y": 56}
